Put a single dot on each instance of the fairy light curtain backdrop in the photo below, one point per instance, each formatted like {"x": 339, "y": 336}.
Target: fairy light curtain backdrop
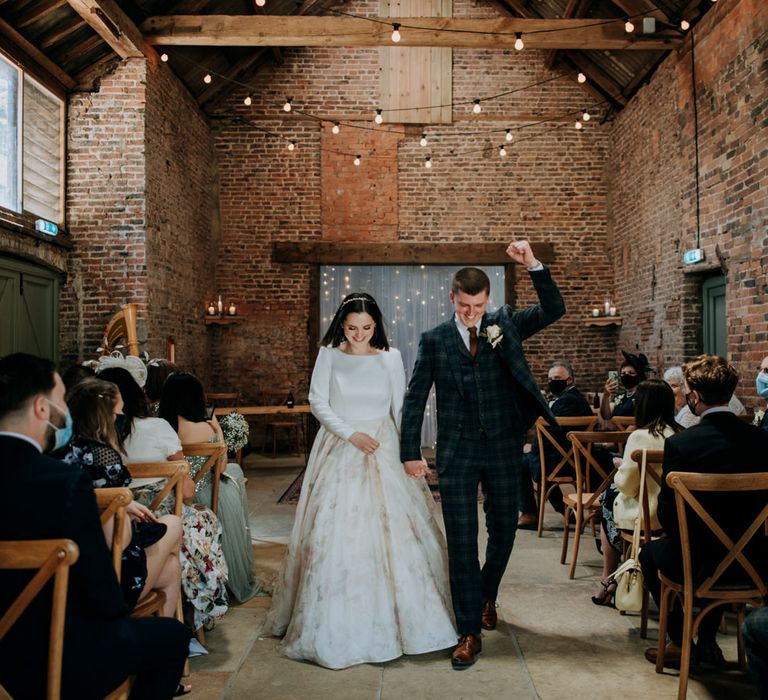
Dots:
{"x": 413, "y": 299}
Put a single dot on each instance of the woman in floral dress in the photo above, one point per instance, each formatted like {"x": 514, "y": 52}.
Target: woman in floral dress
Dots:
{"x": 146, "y": 439}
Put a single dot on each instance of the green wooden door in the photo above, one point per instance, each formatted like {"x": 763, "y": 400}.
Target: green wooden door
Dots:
{"x": 714, "y": 327}
{"x": 29, "y": 309}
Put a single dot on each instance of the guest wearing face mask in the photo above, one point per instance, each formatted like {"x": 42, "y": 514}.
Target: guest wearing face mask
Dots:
{"x": 619, "y": 396}
{"x": 684, "y": 417}
{"x": 761, "y": 384}
{"x": 568, "y": 401}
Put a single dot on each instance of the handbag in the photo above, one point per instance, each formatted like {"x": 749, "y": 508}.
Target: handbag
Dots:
{"x": 629, "y": 577}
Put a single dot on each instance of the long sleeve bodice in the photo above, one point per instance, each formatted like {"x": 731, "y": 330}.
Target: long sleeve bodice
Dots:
{"x": 347, "y": 388}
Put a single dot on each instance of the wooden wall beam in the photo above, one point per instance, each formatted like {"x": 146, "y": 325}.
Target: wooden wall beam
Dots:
{"x": 273, "y": 30}
{"x": 399, "y": 253}
{"x": 113, "y": 26}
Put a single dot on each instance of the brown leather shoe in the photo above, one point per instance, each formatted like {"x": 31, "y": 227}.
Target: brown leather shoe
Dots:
{"x": 468, "y": 647}
{"x": 672, "y": 655}
{"x": 528, "y": 521}
{"x": 488, "y": 616}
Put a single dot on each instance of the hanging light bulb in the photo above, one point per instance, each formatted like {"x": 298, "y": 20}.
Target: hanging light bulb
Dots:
{"x": 428, "y": 162}
{"x": 519, "y": 45}
{"x": 628, "y": 26}
{"x": 247, "y": 101}
{"x": 423, "y": 141}
{"x": 291, "y": 145}
{"x": 336, "y": 128}
{"x": 502, "y": 151}
{"x": 578, "y": 125}
{"x": 287, "y": 107}
{"x": 261, "y": 3}
{"x": 585, "y": 116}
{"x": 378, "y": 118}
{"x": 357, "y": 160}
{"x": 164, "y": 57}
{"x": 581, "y": 78}
{"x": 477, "y": 108}
{"x": 395, "y": 32}
{"x": 508, "y": 135}
{"x": 685, "y": 25}
{"x": 207, "y": 79}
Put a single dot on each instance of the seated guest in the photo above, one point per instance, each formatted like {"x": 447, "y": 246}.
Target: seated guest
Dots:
{"x": 47, "y": 499}
{"x": 761, "y": 384}
{"x": 148, "y": 439}
{"x": 613, "y": 402}
{"x": 158, "y": 371}
{"x": 720, "y": 444}
{"x": 654, "y": 418}
{"x": 74, "y": 374}
{"x": 182, "y": 404}
{"x": 755, "y": 630}
{"x": 151, "y": 559}
{"x": 568, "y": 401}
{"x": 684, "y": 418}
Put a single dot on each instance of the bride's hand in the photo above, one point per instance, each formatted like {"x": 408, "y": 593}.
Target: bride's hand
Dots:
{"x": 364, "y": 443}
{"x": 416, "y": 468}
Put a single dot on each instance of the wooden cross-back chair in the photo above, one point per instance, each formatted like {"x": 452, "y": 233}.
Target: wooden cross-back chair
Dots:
{"x": 174, "y": 472}
{"x": 122, "y": 326}
{"x": 554, "y": 475}
{"x": 215, "y": 454}
{"x": 52, "y": 559}
{"x": 623, "y": 422}
{"x": 653, "y": 466}
{"x": 585, "y": 499}
{"x": 712, "y": 591}
{"x": 112, "y": 502}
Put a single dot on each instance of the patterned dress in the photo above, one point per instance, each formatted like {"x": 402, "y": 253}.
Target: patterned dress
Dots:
{"x": 204, "y": 569}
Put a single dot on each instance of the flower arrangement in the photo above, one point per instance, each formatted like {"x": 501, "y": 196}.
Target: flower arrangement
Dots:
{"x": 493, "y": 334}
{"x": 235, "y": 429}
{"x": 758, "y": 417}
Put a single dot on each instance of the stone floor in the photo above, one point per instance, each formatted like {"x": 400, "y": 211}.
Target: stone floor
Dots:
{"x": 552, "y": 642}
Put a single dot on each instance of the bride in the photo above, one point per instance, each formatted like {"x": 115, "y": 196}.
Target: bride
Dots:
{"x": 365, "y": 578}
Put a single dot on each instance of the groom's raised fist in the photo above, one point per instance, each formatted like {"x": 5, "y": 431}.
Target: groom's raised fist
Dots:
{"x": 520, "y": 252}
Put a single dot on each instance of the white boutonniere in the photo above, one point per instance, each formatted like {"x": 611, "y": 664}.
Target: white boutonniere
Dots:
{"x": 758, "y": 417}
{"x": 493, "y": 334}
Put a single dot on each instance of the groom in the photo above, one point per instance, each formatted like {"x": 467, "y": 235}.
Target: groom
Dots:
{"x": 486, "y": 400}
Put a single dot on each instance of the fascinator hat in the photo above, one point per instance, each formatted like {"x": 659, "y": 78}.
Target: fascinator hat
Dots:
{"x": 133, "y": 364}
{"x": 639, "y": 362}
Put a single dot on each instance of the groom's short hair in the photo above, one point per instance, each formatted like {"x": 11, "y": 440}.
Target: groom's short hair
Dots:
{"x": 471, "y": 280}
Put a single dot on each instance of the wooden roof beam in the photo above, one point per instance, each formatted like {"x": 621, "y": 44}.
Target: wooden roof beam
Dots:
{"x": 61, "y": 31}
{"x": 640, "y": 8}
{"x": 37, "y": 11}
{"x": 113, "y": 26}
{"x": 273, "y": 30}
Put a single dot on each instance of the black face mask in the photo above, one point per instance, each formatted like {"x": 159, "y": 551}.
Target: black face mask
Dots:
{"x": 691, "y": 403}
{"x": 557, "y": 386}
{"x": 629, "y": 381}
{"x": 121, "y": 423}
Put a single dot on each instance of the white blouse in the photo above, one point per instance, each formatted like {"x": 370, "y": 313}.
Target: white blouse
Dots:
{"x": 151, "y": 440}
{"x": 347, "y": 388}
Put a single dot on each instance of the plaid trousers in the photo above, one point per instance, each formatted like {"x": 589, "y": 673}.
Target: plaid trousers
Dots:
{"x": 495, "y": 464}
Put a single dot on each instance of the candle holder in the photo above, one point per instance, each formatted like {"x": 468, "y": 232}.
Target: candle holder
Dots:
{"x": 211, "y": 309}
{"x": 232, "y": 310}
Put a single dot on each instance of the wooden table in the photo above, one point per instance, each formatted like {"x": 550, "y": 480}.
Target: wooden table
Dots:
{"x": 307, "y": 422}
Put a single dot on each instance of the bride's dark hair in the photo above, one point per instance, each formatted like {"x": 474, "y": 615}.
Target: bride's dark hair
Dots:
{"x": 356, "y": 303}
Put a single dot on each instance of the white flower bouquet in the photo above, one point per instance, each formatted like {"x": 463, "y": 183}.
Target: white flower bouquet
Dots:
{"x": 235, "y": 429}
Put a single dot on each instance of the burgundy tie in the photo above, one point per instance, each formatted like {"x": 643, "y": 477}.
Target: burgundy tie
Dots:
{"x": 472, "y": 340}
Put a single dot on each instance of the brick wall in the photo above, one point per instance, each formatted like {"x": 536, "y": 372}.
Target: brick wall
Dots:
{"x": 140, "y": 209}
{"x": 551, "y": 188}
{"x": 654, "y": 200}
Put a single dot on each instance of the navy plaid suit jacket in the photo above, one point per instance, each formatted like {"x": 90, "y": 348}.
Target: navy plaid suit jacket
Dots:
{"x": 438, "y": 363}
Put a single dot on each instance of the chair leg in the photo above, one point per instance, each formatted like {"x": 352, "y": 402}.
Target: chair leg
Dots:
{"x": 740, "y": 637}
{"x": 566, "y": 533}
{"x": 685, "y": 658}
{"x": 542, "y": 500}
{"x": 663, "y": 612}
{"x": 274, "y": 443}
{"x": 644, "y": 615}
{"x": 576, "y": 539}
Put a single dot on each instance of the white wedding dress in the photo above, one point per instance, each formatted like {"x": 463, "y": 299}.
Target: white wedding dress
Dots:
{"x": 365, "y": 578}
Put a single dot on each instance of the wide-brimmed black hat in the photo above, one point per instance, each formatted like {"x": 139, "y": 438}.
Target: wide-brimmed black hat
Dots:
{"x": 639, "y": 362}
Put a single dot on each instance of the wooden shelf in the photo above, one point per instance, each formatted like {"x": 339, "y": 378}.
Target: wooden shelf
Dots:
{"x": 603, "y": 321}
{"x": 223, "y": 320}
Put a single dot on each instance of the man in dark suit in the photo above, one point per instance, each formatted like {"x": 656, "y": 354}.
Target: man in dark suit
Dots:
{"x": 568, "y": 402}
{"x": 720, "y": 444}
{"x": 47, "y": 499}
{"x": 486, "y": 400}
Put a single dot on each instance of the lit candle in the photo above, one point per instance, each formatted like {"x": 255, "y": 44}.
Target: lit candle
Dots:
{"x": 606, "y": 306}
{"x": 612, "y": 311}
{"x": 211, "y": 309}
{"x": 595, "y": 312}
{"x": 221, "y": 306}
{"x": 232, "y": 309}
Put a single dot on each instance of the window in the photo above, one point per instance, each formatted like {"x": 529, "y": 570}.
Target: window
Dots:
{"x": 31, "y": 145}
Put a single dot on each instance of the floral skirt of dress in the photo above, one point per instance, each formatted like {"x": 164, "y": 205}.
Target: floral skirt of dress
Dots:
{"x": 365, "y": 578}
{"x": 203, "y": 567}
